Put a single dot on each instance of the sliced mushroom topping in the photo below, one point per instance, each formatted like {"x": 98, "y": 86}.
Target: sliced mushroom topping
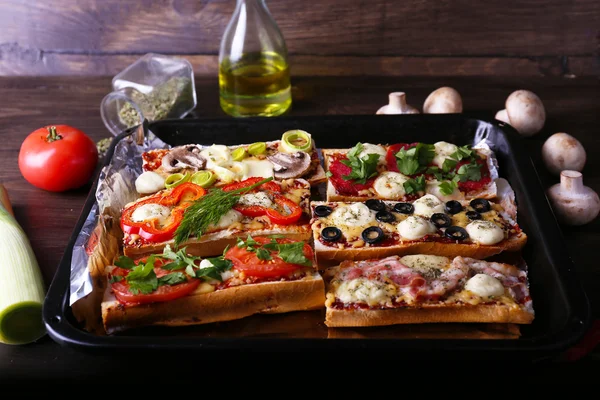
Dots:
{"x": 183, "y": 157}
{"x": 290, "y": 165}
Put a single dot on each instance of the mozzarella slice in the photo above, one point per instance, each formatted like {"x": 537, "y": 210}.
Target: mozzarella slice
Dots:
{"x": 413, "y": 228}
{"x": 230, "y": 218}
{"x": 239, "y": 169}
{"x": 224, "y": 174}
{"x": 365, "y": 291}
{"x": 428, "y": 205}
{"x": 485, "y": 232}
{"x": 151, "y": 211}
{"x": 216, "y": 156}
{"x": 443, "y": 150}
{"x": 149, "y": 182}
{"x": 255, "y": 199}
{"x": 369, "y": 148}
{"x": 356, "y": 214}
{"x": 485, "y": 286}
{"x": 258, "y": 168}
{"x": 390, "y": 185}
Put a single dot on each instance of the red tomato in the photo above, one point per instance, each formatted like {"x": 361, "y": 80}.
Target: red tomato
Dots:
{"x": 163, "y": 293}
{"x": 250, "y": 264}
{"x": 58, "y": 158}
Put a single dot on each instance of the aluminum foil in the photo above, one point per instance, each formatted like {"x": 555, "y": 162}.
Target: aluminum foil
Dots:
{"x": 116, "y": 188}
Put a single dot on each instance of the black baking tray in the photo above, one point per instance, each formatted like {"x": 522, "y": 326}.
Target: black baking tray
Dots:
{"x": 561, "y": 306}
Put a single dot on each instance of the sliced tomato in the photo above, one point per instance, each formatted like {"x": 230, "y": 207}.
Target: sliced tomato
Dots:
{"x": 163, "y": 293}
{"x": 250, "y": 264}
{"x": 470, "y": 186}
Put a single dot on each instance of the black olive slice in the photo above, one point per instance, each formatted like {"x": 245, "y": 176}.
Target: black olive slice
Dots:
{"x": 456, "y": 233}
{"x": 385, "y": 216}
{"x": 373, "y": 234}
{"x": 331, "y": 234}
{"x": 441, "y": 220}
{"x": 322, "y": 211}
{"x": 404, "y": 208}
{"x": 480, "y": 205}
{"x": 473, "y": 215}
{"x": 453, "y": 207}
{"x": 375, "y": 205}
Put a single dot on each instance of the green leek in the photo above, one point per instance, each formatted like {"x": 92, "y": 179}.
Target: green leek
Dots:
{"x": 22, "y": 289}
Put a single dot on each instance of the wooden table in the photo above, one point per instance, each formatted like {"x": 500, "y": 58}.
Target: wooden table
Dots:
{"x": 48, "y": 218}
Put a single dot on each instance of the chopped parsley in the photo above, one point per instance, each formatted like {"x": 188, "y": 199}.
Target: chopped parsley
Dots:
{"x": 219, "y": 265}
{"x": 363, "y": 168}
{"x": 415, "y": 159}
{"x": 181, "y": 260}
{"x": 414, "y": 185}
{"x": 292, "y": 253}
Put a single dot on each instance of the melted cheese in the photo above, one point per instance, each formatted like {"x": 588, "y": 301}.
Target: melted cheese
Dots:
{"x": 230, "y": 218}
{"x": 258, "y": 168}
{"x": 216, "y": 156}
{"x": 390, "y": 185}
{"x": 355, "y": 215}
{"x": 149, "y": 182}
{"x": 428, "y": 205}
{"x": 484, "y": 285}
{"x": 443, "y": 150}
{"x": 256, "y": 199}
{"x": 485, "y": 232}
{"x": 369, "y": 148}
{"x": 151, "y": 211}
{"x": 413, "y": 228}
{"x": 362, "y": 290}
{"x": 425, "y": 262}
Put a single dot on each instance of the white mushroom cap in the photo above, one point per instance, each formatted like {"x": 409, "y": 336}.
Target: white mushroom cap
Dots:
{"x": 525, "y": 112}
{"x": 502, "y": 116}
{"x": 562, "y": 151}
{"x": 444, "y": 100}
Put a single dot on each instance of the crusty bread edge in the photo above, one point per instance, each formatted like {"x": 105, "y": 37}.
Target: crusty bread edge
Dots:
{"x": 221, "y": 305}
{"x": 464, "y": 313}
{"x": 329, "y": 256}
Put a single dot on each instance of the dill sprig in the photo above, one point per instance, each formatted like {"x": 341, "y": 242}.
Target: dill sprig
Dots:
{"x": 208, "y": 210}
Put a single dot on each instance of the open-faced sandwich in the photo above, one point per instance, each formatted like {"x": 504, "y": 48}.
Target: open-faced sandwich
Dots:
{"x": 426, "y": 289}
{"x": 477, "y": 228}
{"x": 208, "y": 220}
{"x": 405, "y": 171}
{"x": 258, "y": 274}
{"x": 293, "y": 157}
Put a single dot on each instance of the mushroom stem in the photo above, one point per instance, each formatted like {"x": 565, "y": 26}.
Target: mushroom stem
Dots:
{"x": 397, "y": 100}
{"x": 572, "y": 182}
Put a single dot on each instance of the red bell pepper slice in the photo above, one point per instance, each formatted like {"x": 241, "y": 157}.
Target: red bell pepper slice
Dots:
{"x": 292, "y": 215}
{"x": 271, "y": 186}
{"x": 179, "y": 198}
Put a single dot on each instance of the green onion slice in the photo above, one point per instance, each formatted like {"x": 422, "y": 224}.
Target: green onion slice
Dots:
{"x": 238, "y": 154}
{"x": 296, "y": 140}
{"x": 174, "y": 180}
{"x": 203, "y": 178}
{"x": 257, "y": 148}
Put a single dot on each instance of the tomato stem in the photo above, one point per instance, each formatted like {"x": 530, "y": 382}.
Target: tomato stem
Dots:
{"x": 52, "y": 134}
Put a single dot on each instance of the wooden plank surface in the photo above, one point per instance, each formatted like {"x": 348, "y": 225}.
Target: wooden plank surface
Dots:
{"x": 91, "y": 35}
{"x": 48, "y": 218}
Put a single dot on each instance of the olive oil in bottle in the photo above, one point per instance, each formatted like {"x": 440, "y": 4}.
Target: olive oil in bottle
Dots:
{"x": 254, "y": 77}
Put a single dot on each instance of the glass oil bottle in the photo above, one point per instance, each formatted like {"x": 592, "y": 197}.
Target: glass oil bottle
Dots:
{"x": 254, "y": 75}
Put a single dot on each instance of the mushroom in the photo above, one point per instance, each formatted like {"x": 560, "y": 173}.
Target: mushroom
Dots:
{"x": 524, "y": 111}
{"x": 444, "y": 100}
{"x": 183, "y": 157}
{"x": 562, "y": 151}
{"x": 290, "y": 165}
{"x": 502, "y": 116}
{"x": 397, "y": 105}
{"x": 573, "y": 203}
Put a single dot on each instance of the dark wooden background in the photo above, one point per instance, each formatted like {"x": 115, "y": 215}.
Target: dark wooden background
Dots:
{"x": 326, "y": 37}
